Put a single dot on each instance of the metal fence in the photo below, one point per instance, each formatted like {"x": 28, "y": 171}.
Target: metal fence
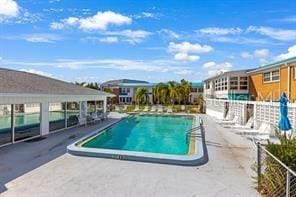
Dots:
{"x": 275, "y": 179}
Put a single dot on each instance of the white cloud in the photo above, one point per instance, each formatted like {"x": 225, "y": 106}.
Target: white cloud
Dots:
{"x": 131, "y": 36}
{"x": 278, "y": 34}
{"x": 185, "y": 72}
{"x": 220, "y": 31}
{"x": 38, "y": 72}
{"x": 246, "y": 55}
{"x": 99, "y": 21}
{"x": 261, "y": 54}
{"x": 291, "y": 53}
{"x": 213, "y": 68}
{"x": 109, "y": 39}
{"x": 38, "y": 37}
{"x": 162, "y": 66}
{"x": 186, "y": 51}
{"x": 46, "y": 38}
{"x": 186, "y": 57}
{"x": 168, "y": 34}
{"x": 145, "y": 15}
{"x": 9, "y": 8}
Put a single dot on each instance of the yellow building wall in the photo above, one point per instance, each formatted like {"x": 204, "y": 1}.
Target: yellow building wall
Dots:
{"x": 293, "y": 84}
{"x": 261, "y": 91}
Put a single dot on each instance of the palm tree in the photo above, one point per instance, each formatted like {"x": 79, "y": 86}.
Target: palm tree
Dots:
{"x": 93, "y": 85}
{"x": 187, "y": 89}
{"x": 80, "y": 83}
{"x": 173, "y": 92}
{"x": 180, "y": 91}
{"x": 142, "y": 96}
{"x": 159, "y": 92}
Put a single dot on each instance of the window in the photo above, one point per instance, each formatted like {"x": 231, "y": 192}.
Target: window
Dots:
{"x": 221, "y": 84}
{"x": 27, "y": 122}
{"x": 233, "y": 83}
{"x": 275, "y": 75}
{"x": 193, "y": 89}
{"x": 208, "y": 85}
{"x": 57, "y": 116}
{"x": 271, "y": 76}
{"x": 6, "y": 124}
{"x": 243, "y": 83}
{"x": 266, "y": 77}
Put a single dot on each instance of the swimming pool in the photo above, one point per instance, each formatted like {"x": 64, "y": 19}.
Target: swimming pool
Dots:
{"x": 145, "y": 137}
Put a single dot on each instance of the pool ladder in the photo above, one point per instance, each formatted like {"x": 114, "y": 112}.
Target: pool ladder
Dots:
{"x": 192, "y": 133}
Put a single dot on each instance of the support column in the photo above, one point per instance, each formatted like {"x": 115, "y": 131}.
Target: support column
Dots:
{"x": 44, "y": 123}
{"x": 82, "y": 112}
{"x": 105, "y": 105}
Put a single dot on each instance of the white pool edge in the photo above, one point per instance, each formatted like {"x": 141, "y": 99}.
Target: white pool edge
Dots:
{"x": 197, "y": 158}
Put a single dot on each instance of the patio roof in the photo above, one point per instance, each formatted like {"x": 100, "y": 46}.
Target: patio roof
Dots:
{"x": 19, "y": 82}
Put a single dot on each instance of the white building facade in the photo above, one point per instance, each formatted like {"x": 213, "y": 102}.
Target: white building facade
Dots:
{"x": 232, "y": 85}
{"x": 32, "y": 106}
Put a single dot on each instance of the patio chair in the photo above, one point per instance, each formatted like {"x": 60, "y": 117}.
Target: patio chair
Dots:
{"x": 146, "y": 109}
{"x": 170, "y": 109}
{"x": 153, "y": 108}
{"x": 248, "y": 125}
{"x": 159, "y": 109}
{"x": 264, "y": 129}
{"x": 233, "y": 121}
{"x": 183, "y": 107}
{"x": 137, "y": 108}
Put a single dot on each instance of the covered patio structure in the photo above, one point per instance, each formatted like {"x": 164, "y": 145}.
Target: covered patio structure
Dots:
{"x": 32, "y": 105}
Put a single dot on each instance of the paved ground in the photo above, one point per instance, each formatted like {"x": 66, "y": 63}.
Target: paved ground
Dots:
{"x": 44, "y": 169}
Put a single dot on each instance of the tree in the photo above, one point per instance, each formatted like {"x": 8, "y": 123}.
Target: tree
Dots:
{"x": 92, "y": 85}
{"x": 186, "y": 86}
{"x": 142, "y": 96}
{"x": 160, "y": 92}
{"x": 173, "y": 93}
{"x": 80, "y": 83}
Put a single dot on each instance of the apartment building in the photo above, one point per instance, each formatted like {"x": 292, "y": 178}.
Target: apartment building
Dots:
{"x": 269, "y": 81}
{"x": 196, "y": 91}
{"x": 127, "y": 92}
{"x": 232, "y": 85}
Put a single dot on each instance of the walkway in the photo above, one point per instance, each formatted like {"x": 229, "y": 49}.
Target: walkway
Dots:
{"x": 34, "y": 169}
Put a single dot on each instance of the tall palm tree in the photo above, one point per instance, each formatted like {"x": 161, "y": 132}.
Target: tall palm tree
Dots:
{"x": 173, "y": 92}
{"x": 160, "y": 92}
{"x": 180, "y": 91}
{"x": 142, "y": 96}
{"x": 187, "y": 89}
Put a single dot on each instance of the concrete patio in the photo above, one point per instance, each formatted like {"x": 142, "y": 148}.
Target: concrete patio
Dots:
{"x": 44, "y": 168}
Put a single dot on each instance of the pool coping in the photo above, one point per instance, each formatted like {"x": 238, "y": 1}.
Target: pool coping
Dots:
{"x": 198, "y": 158}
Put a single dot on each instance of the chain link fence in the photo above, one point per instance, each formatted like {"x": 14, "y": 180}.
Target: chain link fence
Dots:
{"x": 275, "y": 179}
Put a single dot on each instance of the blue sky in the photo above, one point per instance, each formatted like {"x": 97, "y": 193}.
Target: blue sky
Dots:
{"x": 149, "y": 40}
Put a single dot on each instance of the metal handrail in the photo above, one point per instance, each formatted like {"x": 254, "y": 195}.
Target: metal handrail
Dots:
{"x": 193, "y": 129}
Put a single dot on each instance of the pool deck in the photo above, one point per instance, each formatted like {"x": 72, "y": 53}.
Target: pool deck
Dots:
{"x": 44, "y": 168}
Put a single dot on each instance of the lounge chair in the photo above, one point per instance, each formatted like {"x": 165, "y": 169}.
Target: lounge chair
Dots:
{"x": 137, "y": 108}
{"x": 233, "y": 121}
{"x": 170, "y": 109}
{"x": 248, "y": 125}
{"x": 146, "y": 109}
{"x": 159, "y": 109}
{"x": 183, "y": 107}
{"x": 118, "y": 109}
{"x": 264, "y": 129}
{"x": 153, "y": 108}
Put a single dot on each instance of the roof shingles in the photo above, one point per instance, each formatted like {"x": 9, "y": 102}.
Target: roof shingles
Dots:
{"x": 18, "y": 82}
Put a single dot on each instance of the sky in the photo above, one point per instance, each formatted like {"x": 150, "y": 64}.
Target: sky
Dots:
{"x": 100, "y": 40}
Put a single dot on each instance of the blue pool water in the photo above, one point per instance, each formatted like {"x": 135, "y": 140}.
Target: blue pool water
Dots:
{"x": 146, "y": 133}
